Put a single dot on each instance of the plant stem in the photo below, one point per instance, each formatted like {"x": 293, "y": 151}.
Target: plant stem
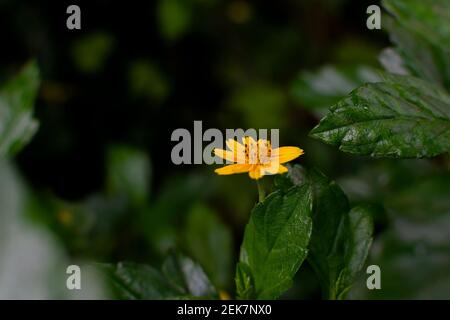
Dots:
{"x": 261, "y": 192}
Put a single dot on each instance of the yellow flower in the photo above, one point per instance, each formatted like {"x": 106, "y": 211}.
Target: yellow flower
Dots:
{"x": 255, "y": 157}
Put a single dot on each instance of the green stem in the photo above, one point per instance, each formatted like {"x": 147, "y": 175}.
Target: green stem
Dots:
{"x": 261, "y": 192}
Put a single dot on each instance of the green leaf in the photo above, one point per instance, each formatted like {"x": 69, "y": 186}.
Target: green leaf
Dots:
{"x": 357, "y": 242}
{"x": 180, "y": 278}
{"x": 319, "y": 90}
{"x": 128, "y": 174}
{"x": 17, "y": 98}
{"x": 400, "y": 117}
{"x": 275, "y": 244}
{"x": 260, "y": 105}
{"x": 245, "y": 284}
{"x": 341, "y": 237}
{"x": 209, "y": 241}
{"x": 421, "y": 33}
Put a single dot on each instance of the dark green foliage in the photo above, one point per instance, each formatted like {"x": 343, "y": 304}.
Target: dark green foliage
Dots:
{"x": 341, "y": 237}
{"x": 179, "y": 278}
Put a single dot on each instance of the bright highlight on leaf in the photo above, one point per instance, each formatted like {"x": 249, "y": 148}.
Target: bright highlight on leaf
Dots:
{"x": 401, "y": 117}
{"x": 17, "y": 97}
{"x": 258, "y": 158}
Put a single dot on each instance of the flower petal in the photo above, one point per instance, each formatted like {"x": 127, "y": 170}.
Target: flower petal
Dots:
{"x": 274, "y": 168}
{"x": 233, "y": 168}
{"x": 282, "y": 169}
{"x": 249, "y": 140}
{"x": 286, "y": 154}
{"x": 256, "y": 173}
{"x": 234, "y": 145}
{"x": 238, "y": 149}
{"x": 227, "y": 155}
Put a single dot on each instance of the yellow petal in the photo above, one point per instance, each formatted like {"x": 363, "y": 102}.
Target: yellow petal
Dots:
{"x": 256, "y": 173}
{"x": 264, "y": 151}
{"x": 282, "y": 169}
{"x": 238, "y": 150}
{"x": 233, "y": 168}
{"x": 235, "y": 146}
{"x": 274, "y": 168}
{"x": 286, "y": 154}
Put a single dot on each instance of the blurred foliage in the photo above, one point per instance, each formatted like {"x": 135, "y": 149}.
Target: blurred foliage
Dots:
{"x": 253, "y": 103}
{"x": 145, "y": 80}
{"x": 17, "y": 124}
{"x": 203, "y": 238}
{"x": 128, "y": 174}
{"x": 422, "y": 35}
{"x": 90, "y": 52}
{"x": 319, "y": 90}
{"x": 413, "y": 247}
{"x": 174, "y": 18}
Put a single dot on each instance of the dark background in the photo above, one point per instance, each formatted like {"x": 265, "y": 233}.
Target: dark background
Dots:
{"x": 83, "y": 112}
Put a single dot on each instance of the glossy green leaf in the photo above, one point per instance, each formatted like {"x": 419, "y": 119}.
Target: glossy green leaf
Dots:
{"x": 400, "y": 117}
{"x": 128, "y": 174}
{"x": 423, "y": 200}
{"x": 356, "y": 241}
{"x": 341, "y": 236}
{"x": 145, "y": 80}
{"x": 17, "y": 98}
{"x": 204, "y": 237}
{"x": 275, "y": 244}
{"x": 179, "y": 278}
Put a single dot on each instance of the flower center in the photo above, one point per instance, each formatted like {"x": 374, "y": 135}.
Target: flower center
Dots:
{"x": 257, "y": 152}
